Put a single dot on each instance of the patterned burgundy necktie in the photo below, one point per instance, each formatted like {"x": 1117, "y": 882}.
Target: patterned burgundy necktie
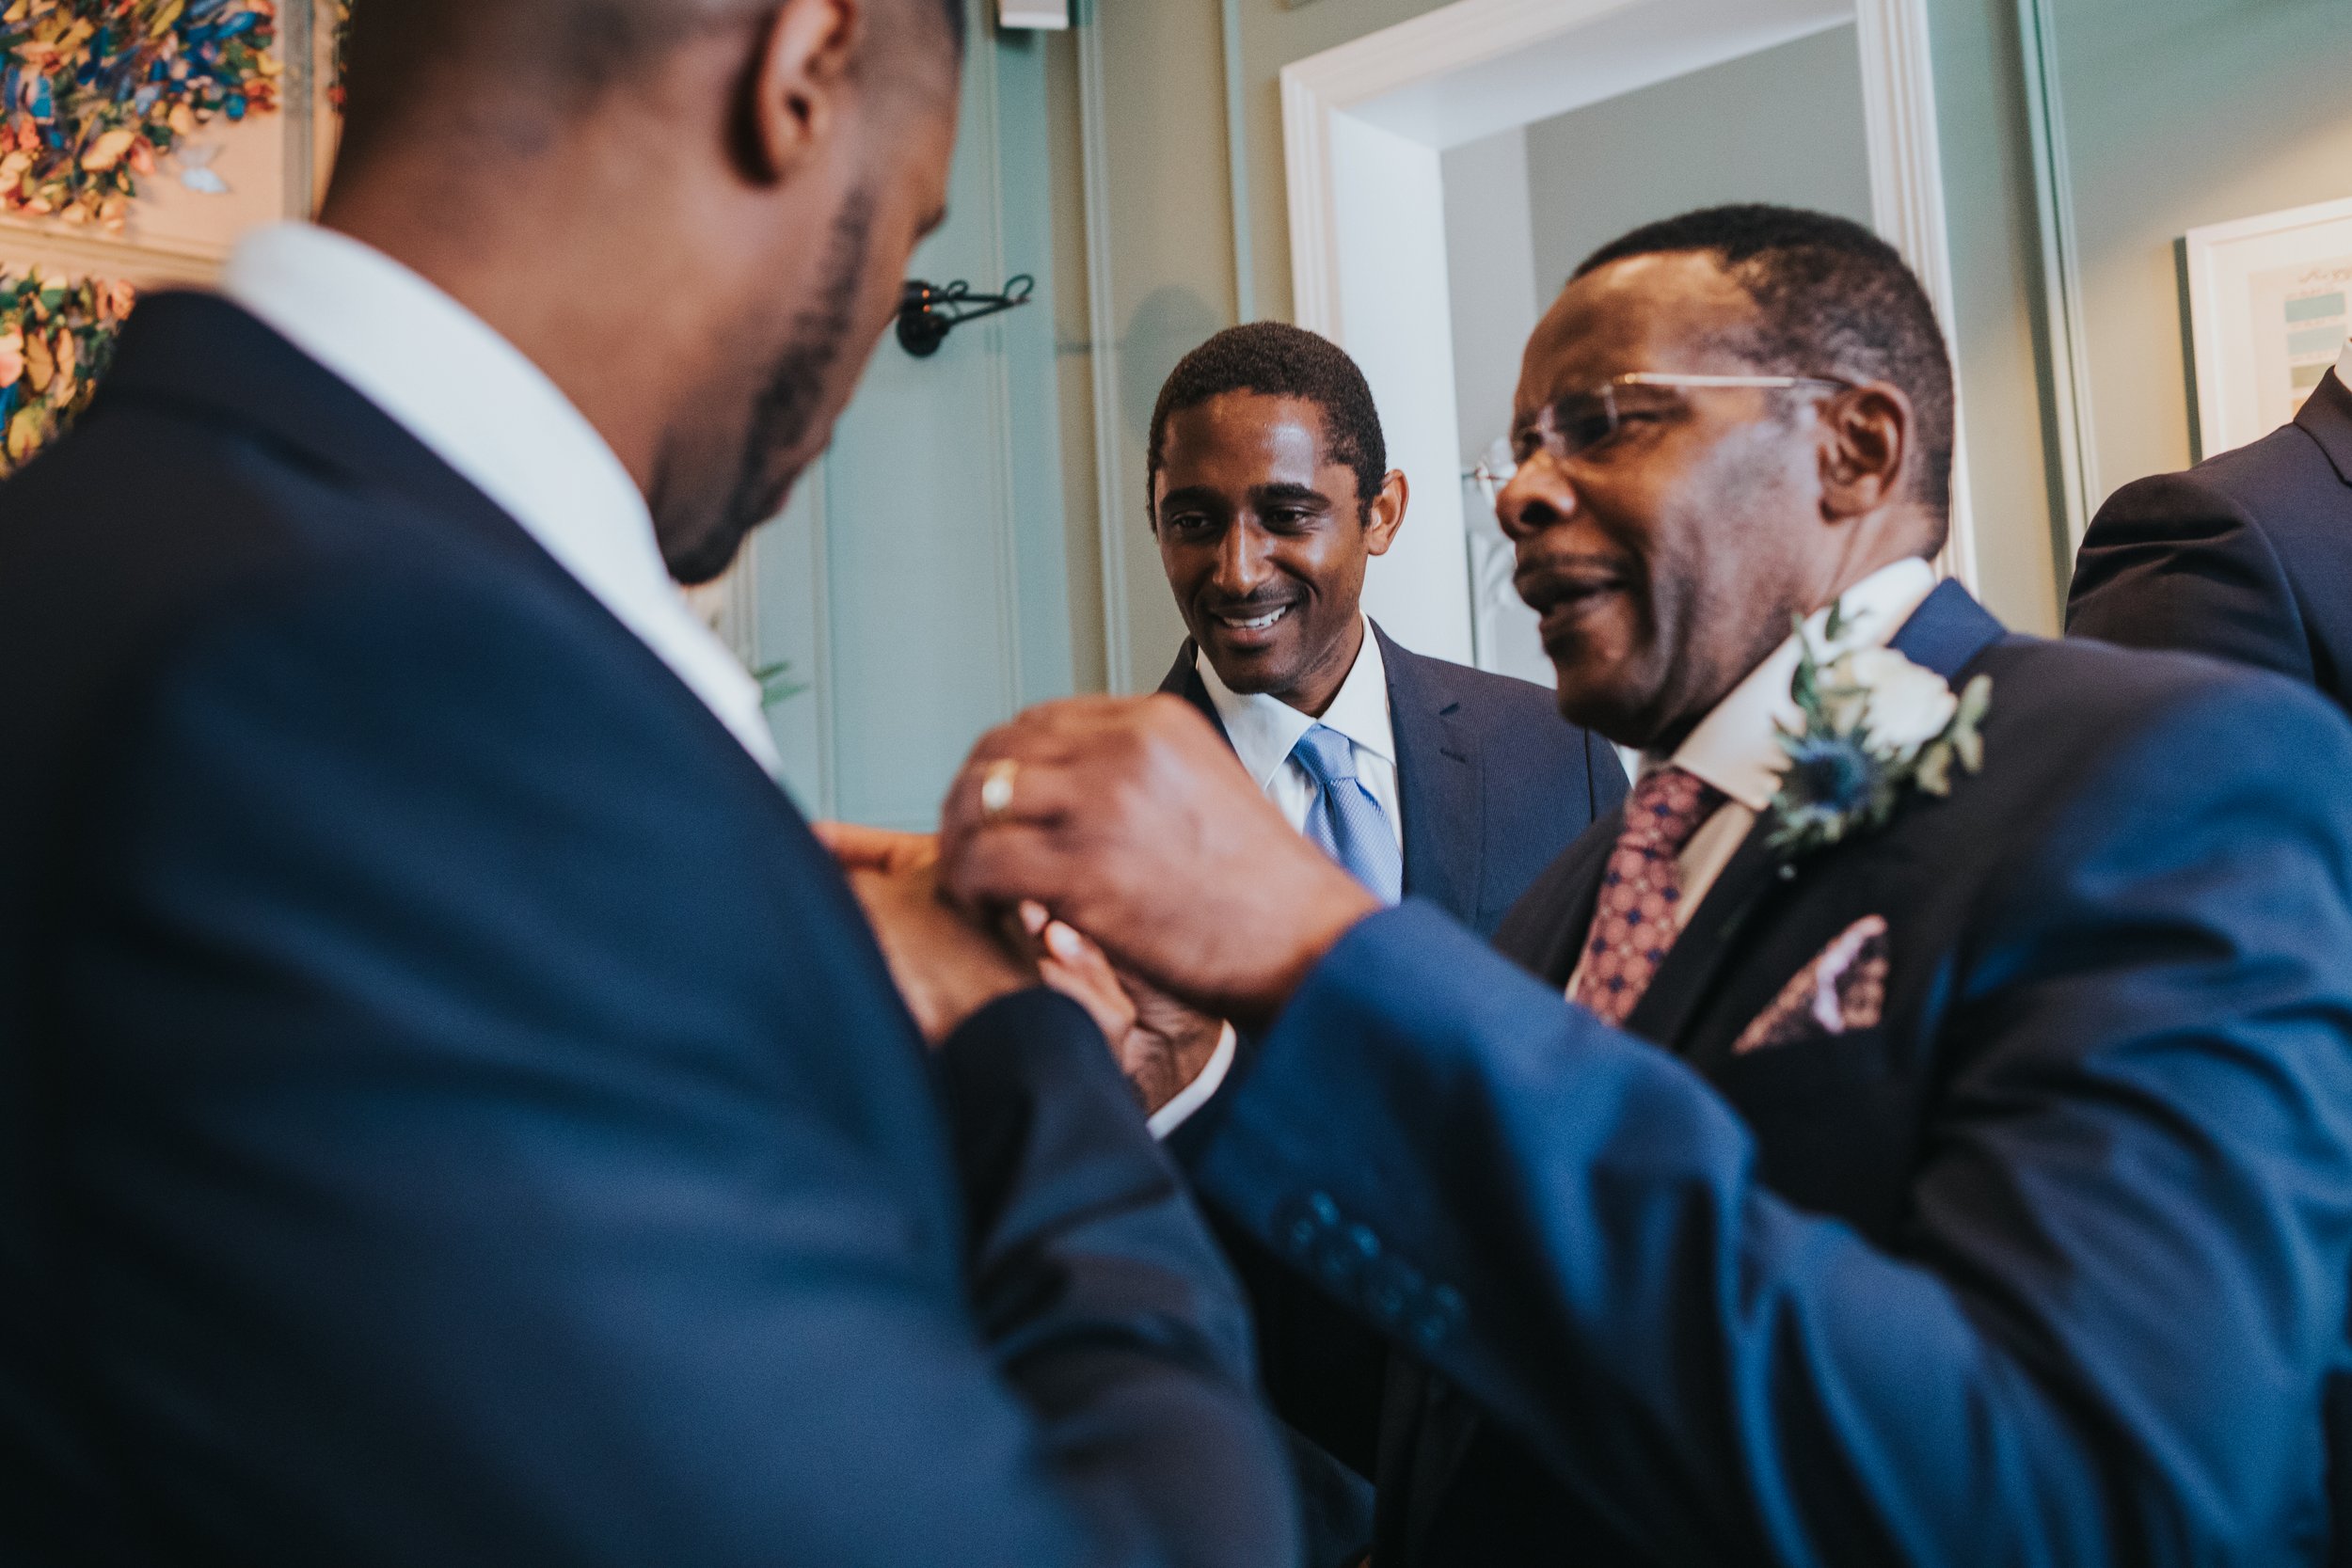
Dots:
{"x": 1634, "y": 924}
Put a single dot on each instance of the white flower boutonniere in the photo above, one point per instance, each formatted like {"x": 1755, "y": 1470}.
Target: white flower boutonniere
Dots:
{"x": 1875, "y": 726}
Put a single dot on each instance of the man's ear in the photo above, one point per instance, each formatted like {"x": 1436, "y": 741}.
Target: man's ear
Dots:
{"x": 799, "y": 81}
{"x": 1388, "y": 513}
{"x": 1865, "y": 449}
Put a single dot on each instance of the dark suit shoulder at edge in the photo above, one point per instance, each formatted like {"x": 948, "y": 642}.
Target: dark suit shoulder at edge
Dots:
{"x": 2288, "y": 455}
{"x": 2090, "y": 700}
{"x": 1531, "y": 925}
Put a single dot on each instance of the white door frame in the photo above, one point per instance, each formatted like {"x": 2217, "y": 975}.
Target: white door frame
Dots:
{"x": 1364, "y": 125}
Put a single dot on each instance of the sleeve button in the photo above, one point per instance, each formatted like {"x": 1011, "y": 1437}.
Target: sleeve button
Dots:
{"x": 1440, "y": 1319}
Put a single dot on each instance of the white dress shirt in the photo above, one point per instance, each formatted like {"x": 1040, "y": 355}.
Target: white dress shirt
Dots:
{"x": 1264, "y": 731}
{"x": 480, "y": 405}
{"x": 1737, "y": 745}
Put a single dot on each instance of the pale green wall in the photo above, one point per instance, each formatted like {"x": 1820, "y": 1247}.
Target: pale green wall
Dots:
{"x": 2176, "y": 113}
{"x": 2181, "y": 113}
{"x": 1988, "y": 197}
{"x": 1168, "y": 162}
{"x": 1165, "y": 237}
{"x": 920, "y": 581}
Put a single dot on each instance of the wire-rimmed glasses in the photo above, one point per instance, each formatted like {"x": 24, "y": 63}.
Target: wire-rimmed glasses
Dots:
{"x": 1582, "y": 420}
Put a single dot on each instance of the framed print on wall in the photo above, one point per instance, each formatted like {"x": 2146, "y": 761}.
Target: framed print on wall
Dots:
{"x": 2270, "y": 309}
{"x": 138, "y": 140}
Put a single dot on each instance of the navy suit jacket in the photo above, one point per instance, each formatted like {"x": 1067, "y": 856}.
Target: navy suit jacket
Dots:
{"x": 1492, "y": 783}
{"x": 2047, "y": 1266}
{"x": 2247, "y": 556}
{"x": 452, "y": 1110}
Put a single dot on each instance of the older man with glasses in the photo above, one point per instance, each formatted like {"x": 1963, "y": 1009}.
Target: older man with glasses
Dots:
{"x": 1917, "y": 1128}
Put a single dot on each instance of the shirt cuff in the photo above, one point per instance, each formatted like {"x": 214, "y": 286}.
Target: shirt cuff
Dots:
{"x": 1199, "y": 1091}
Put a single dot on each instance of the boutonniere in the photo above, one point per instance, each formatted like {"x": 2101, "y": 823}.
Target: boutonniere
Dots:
{"x": 1875, "y": 726}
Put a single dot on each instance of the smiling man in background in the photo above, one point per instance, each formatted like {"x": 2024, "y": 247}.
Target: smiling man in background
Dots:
{"x": 1271, "y": 495}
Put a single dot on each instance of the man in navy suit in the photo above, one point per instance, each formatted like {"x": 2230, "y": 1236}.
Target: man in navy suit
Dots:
{"x": 454, "y": 1112}
{"x": 2247, "y": 556}
{"x": 1270, "y": 495}
{"x": 1947, "y": 1156}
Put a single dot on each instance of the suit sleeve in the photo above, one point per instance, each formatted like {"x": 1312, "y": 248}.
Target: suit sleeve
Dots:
{"x": 479, "y": 1169}
{"x": 2102, "y": 1333}
{"x": 2173, "y": 562}
{"x": 1324, "y": 1370}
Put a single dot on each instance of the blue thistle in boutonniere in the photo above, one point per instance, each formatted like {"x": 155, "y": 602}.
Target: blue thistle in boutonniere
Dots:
{"x": 1873, "y": 727}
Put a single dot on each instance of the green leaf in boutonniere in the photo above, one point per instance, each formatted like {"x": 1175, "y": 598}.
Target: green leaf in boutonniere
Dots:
{"x": 1874, "y": 726}
{"x": 1962, "y": 742}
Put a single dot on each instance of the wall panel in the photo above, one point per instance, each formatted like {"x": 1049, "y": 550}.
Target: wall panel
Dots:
{"x": 920, "y": 581}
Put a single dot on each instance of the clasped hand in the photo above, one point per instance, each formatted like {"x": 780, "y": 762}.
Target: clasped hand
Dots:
{"x": 1129, "y": 821}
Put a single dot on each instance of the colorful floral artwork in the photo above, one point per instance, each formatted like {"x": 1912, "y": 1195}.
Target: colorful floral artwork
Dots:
{"x": 93, "y": 92}
{"x": 55, "y": 338}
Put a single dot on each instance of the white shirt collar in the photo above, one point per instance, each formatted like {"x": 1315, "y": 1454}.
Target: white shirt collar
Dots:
{"x": 1737, "y": 746}
{"x": 478, "y": 403}
{"x": 1264, "y": 729}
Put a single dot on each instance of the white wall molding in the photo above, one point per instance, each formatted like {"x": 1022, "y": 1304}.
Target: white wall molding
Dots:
{"x": 1440, "y": 43}
{"x": 1007, "y": 553}
{"x": 1907, "y": 201}
{"x": 1237, "y": 165}
{"x": 1103, "y": 327}
{"x": 1479, "y": 67}
{"x": 822, "y": 674}
{"x": 1307, "y": 112}
{"x": 2076, "y": 459}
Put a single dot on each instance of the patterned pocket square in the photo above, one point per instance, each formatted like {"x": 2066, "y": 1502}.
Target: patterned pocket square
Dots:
{"x": 1842, "y": 990}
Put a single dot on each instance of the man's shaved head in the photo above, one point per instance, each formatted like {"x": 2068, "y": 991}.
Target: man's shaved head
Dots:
{"x": 410, "y": 62}
{"x": 694, "y": 215}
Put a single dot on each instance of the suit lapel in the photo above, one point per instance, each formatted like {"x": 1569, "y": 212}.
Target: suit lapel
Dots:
{"x": 1691, "y": 965}
{"x": 1547, "y": 938}
{"x": 1947, "y": 631}
{"x": 1943, "y": 634}
{"x": 1439, "y": 785}
{"x": 2325, "y": 416}
{"x": 1184, "y": 680}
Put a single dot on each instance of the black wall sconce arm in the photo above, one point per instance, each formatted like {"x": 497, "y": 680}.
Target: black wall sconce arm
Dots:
{"x": 929, "y": 312}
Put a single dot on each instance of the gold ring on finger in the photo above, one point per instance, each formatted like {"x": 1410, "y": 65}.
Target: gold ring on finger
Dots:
{"x": 997, "y": 789}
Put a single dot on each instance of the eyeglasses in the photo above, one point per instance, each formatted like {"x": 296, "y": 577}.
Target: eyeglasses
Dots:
{"x": 1582, "y": 420}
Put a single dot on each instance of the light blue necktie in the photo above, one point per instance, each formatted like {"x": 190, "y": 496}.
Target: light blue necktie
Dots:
{"x": 1344, "y": 819}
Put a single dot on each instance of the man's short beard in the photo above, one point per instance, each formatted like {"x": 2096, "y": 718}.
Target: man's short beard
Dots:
{"x": 790, "y": 399}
